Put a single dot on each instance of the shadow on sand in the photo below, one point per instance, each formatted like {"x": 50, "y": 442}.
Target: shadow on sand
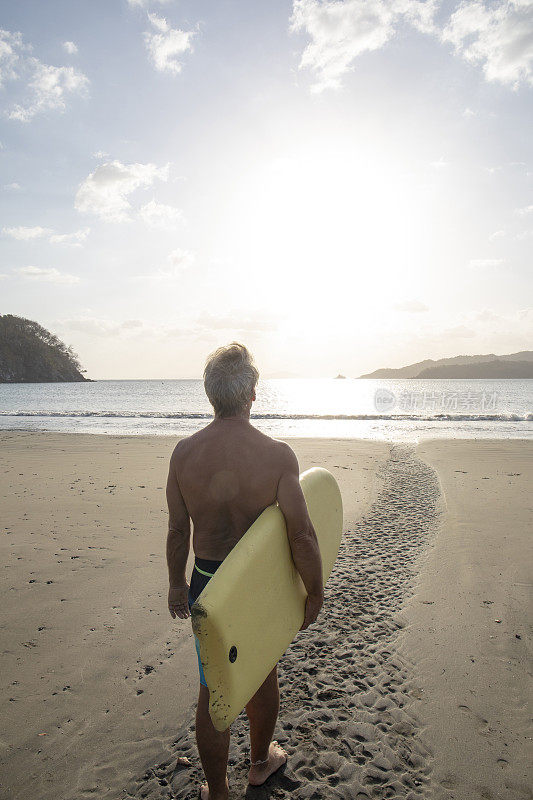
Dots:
{"x": 279, "y": 780}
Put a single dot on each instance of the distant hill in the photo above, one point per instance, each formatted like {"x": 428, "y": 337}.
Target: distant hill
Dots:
{"x": 514, "y": 365}
{"x": 31, "y": 354}
{"x": 487, "y": 369}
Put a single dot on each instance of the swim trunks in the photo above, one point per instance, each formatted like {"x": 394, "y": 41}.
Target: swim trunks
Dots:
{"x": 202, "y": 573}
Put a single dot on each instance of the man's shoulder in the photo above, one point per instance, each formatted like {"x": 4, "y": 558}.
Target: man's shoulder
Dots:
{"x": 282, "y": 452}
{"x": 186, "y": 444}
{"x": 181, "y": 448}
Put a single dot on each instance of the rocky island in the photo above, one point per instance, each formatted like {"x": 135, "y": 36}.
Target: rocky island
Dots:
{"x": 31, "y": 354}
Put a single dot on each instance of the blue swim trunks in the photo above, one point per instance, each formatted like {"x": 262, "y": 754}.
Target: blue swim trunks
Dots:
{"x": 202, "y": 573}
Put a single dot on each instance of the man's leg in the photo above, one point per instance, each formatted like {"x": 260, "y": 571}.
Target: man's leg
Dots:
{"x": 262, "y": 712}
{"x": 213, "y": 747}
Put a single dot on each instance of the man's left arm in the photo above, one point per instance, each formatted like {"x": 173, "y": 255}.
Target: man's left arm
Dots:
{"x": 178, "y": 540}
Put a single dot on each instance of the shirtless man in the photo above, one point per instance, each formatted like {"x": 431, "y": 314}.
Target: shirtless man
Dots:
{"x": 223, "y": 477}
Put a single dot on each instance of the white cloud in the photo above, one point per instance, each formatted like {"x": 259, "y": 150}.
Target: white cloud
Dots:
{"x": 46, "y": 86}
{"x": 340, "y": 31}
{"x": 125, "y": 330}
{"x": 11, "y": 47}
{"x": 440, "y": 164}
{"x": 497, "y": 36}
{"x": 486, "y": 263}
{"x": 482, "y": 331}
{"x": 514, "y": 330}
{"x": 177, "y": 263}
{"x": 105, "y": 191}
{"x": 160, "y": 217}
{"x": 190, "y": 329}
{"x": 100, "y": 155}
{"x": 95, "y": 326}
{"x": 182, "y": 259}
{"x": 419, "y": 13}
{"x": 497, "y": 235}
{"x": 75, "y": 239}
{"x": 50, "y": 275}
{"x": 458, "y": 332}
{"x": 146, "y": 3}
{"x": 70, "y": 48}
{"x": 411, "y": 306}
{"x": 165, "y": 44}
{"x": 12, "y": 187}
{"x": 486, "y": 315}
{"x": 523, "y": 211}
{"x": 90, "y": 325}
{"x": 24, "y": 234}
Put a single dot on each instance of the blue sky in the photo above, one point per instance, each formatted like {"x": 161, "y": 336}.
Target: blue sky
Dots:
{"x": 341, "y": 185}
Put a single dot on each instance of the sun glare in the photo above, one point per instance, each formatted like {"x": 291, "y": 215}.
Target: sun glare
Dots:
{"x": 323, "y": 226}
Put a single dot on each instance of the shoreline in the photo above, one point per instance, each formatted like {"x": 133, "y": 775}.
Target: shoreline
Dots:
{"x": 422, "y": 439}
{"x": 91, "y": 658}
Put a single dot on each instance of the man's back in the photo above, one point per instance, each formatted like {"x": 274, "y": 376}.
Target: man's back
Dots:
{"x": 228, "y": 473}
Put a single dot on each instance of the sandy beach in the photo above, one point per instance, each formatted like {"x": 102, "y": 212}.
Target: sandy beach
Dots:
{"x": 412, "y": 684}
{"x": 468, "y": 632}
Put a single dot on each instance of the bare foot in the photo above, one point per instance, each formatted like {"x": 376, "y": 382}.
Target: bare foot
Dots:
{"x": 204, "y": 793}
{"x": 277, "y": 757}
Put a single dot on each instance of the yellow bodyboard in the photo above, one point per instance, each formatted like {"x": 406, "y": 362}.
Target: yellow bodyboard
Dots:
{"x": 253, "y": 606}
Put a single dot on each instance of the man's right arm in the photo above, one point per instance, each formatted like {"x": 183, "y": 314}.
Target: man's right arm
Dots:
{"x": 301, "y": 534}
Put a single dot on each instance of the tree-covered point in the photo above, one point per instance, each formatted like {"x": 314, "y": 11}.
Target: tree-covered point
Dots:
{"x": 31, "y": 354}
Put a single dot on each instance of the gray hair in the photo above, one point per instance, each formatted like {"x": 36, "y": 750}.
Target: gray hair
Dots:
{"x": 230, "y": 377}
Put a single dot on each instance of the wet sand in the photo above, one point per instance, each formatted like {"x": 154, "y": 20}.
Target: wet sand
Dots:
{"x": 98, "y": 683}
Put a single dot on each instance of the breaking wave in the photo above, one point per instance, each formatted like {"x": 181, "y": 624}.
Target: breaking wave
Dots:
{"x": 436, "y": 417}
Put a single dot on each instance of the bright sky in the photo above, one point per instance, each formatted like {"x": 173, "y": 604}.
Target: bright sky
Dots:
{"x": 339, "y": 185}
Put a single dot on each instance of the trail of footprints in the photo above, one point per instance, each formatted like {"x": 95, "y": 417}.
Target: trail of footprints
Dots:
{"x": 344, "y": 690}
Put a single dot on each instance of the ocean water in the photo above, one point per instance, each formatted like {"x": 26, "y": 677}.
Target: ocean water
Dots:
{"x": 394, "y": 410}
